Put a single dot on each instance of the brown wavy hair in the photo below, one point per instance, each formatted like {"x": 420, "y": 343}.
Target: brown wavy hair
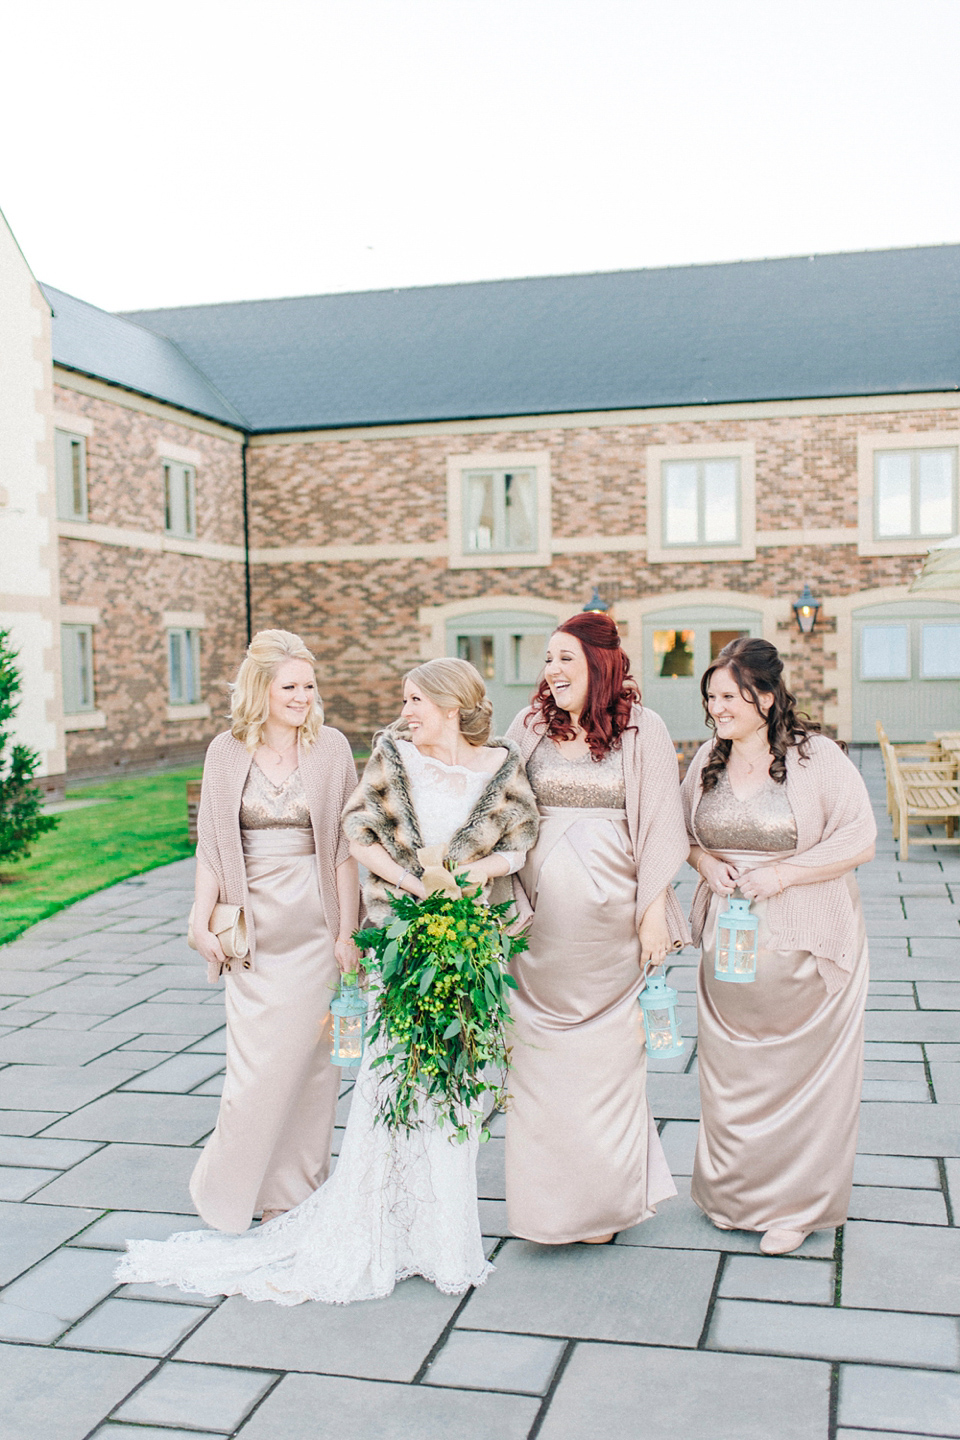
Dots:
{"x": 758, "y": 670}
{"x": 611, "y": 689}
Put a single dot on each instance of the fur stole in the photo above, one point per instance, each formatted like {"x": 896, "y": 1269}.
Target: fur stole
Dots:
{"x": 380, "y": 812}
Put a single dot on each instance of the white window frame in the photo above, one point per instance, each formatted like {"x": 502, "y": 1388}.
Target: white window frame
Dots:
{"x": 868, "y": 444}
{"x": 659, "y": 553}
{"x": 189, "y": 640}
{"x": 77, "y": 669}
{"x": 70, "y": 457}
{"x": 502, "y": 462}
{"x": 179, "y": 490}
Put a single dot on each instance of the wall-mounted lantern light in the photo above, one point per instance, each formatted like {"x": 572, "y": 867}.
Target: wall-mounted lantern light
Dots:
{"x": 596, "y": 605}
{"x": 806, "y": 609}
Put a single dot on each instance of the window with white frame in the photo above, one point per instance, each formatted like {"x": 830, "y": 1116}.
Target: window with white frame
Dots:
{"x": 179, "y": 499}
{"x": 71, "y": 472}
{"x": 914, "y": 494}
{"x": 885, "y": 652}
{"x": 701, "y": 501}
{"x": 76, "y": 654}
{"x": 940, "y": 652}
{"x": 183, "y": 658}
{"x": 499, "y": 511}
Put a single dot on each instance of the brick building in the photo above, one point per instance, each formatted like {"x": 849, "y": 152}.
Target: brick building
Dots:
{"x": 447, "y": 470}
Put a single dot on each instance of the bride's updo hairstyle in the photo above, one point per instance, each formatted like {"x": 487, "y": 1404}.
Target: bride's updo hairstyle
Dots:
{"x": 758, "y": 670}
{"x": 611, "y": 689}
{"x": 457, "y": 684}
{"x": 250, "y": 692}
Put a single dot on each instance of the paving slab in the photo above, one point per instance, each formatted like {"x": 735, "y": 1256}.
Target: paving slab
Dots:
{"x": 316, "y": 1407}
{"x": 828, "y": 1333}
{"x": 908, "y": 1024}
{"x": 177, "y": 1075}
{"x": 134, "y": 1327}
{"x": 115, "y": 1229}
{"x": 29, "y": 1232}
{"x": 901, "y": 1267}
{"x": 602, "y": 1292}
{"x": 946, "y": 1081}
{"x": 150, "y": 1119}
{"x": 127, "y": 1177}
{"x": 147, "y": 1432}
{"x": 673, "y": 1097}
{"x": 905, "y": 1171}
{"x": 927, "y": 1404}
{"x": 17, "y": 1182}
{"x": 679, "y": 1224}
{"x": 67, "y": 1020}
{"x": 210, "y": 1396}
{"x": 167, "y": 1294}
{"x": 27, "y": 1122}
{"x": 61, "y": 1394}
{"x": 150, "y": 1019}
{"x": 40, "y": 1047}
{"x": 768, "y": 1277}
{"x": 903, "y": 1129}
{"x": 215, "y": 1044}
{"x": 679, "y": 1138}
{"x": 43, "y": 1302}
{"x": 614, "y": 1390}
{"x": 491, "y": 1179}
{"x": 59, "y": 1087}
{"x": 916, "y": 1207}
{"x": 381, "y": 1339}
{"x": 483, "y": 1360}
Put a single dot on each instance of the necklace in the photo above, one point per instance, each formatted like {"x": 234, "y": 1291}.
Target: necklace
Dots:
{"x": 274, "y": 751}
{"x": 750, "y": 763}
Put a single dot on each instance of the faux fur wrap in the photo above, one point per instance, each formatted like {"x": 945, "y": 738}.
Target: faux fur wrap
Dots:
{"x": 380, "y": 812}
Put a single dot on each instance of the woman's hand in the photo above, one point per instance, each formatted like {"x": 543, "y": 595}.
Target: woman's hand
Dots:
{"x": 765, "y": 881}
{"x": 209, "y": 948}
{"x": 655, "y": 941}
{"x": 720, "y": 875}
{"x": 347, "y": 955}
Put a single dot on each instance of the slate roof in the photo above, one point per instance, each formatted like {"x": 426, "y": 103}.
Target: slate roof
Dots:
{"x": 866, "y": 323}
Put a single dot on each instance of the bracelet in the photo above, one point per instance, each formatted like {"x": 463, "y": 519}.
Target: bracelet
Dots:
{"x": 699, "y": 871}
{"x": 399, "y": 880}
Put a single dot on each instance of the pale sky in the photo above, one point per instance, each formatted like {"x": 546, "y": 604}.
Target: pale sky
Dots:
{"x": 204, "y": 150}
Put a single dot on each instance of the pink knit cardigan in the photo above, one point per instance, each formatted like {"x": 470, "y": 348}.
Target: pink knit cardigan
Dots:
{"x": 654, "y": 814}
{"x": 835, "y": 822}
{"x": 329, "y": 776}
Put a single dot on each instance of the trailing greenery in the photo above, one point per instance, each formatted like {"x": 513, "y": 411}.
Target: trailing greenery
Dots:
{"x": 140, "y": 823}
{"x": 442, "y": 1012}
{"x": 22, "y": 820}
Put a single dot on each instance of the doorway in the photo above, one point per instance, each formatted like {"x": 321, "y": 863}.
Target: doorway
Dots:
{"x": 678, "y": 645}
{"x": 507, "y": 647}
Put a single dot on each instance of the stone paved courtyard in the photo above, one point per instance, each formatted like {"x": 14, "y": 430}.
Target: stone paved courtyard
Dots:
{"x": 111, "y": 1048}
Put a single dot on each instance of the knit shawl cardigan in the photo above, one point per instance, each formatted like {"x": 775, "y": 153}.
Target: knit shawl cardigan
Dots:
{"x": 835, "y": 822}
{"x": 654, "y": 815}
{"x": 380, "y": 812}
{"x": 328, "y": 773}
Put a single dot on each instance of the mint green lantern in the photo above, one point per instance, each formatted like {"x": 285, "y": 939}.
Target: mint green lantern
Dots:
{"x": 735, "y": 959}
{"x": 349, "y": 1011}
{"x": 661, "y": 1022}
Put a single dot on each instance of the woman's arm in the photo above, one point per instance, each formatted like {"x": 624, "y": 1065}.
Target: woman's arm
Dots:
{"x": 655, "y": 941}
{"x": 376, "y": 859}
{"x": 206, "y": 893}
{"x": 767, "y": 880}
{"x": 348, "y": 896}
{"x": 478, "y": 872}
{"x": 720, "y": 875}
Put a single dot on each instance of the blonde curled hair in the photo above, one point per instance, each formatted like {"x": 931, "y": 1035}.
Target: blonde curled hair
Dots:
{"x": 456, "y": 683}
{"x": 250, "y": 692}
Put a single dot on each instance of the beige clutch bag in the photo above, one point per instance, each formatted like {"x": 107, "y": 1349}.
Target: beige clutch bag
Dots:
{"x": 230, "y": 927}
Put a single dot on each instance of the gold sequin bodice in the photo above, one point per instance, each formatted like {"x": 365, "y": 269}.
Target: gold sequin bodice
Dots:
{"x": 763, "y": 822}
{"x": 582, "y": 783}
{"x": 265, "y": 806}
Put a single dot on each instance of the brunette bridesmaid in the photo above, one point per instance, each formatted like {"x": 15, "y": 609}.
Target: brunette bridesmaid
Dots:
{"x": 779, "y": 814}
{"x": 270, "y": 840}
{"x": 583, "y": 1156}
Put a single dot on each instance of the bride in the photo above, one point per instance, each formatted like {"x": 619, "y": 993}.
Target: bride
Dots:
{"x": 399, "y": 1203}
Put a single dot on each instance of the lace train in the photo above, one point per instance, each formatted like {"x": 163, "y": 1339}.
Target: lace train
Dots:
{"x": 397, "y": 1204}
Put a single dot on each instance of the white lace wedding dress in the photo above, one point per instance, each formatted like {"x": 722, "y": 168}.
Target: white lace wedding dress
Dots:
{"x": 397, "y": 1204}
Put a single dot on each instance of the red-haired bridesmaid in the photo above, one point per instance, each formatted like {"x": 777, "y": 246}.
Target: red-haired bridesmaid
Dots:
{"x": 583, "y": 1156}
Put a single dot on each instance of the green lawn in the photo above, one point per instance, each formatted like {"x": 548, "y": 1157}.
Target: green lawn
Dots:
{"x": 143, "y": 825}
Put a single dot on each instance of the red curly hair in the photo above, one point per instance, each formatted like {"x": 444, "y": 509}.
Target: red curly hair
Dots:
{"x": 611, "y": 689}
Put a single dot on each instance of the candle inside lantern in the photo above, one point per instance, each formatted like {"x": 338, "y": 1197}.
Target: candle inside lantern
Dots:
{"x": 661, "y": 1022}
{"x": 349, "y": 1010}
{"x": 735, "y": 957}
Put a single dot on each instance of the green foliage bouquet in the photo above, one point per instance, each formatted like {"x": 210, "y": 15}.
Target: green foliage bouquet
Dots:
{"x": 442, "y": 1012}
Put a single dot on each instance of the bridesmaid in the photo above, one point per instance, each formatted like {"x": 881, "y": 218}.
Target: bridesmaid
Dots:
{"x": 780, "y": 814}
{"x": 583, "y": 1156}
{"x": 270, "y": 840}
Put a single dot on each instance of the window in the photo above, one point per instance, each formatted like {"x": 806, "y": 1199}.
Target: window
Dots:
{"x": 701, "y": 502}
{"x": 940, "y": 652}
{"x": 914, "y": 494}
{"x": 183, "y": 652}
{"x": 71, "y": 472}
{"x": 885, "y": 652}
{"x": 76, "y": 654}
{"x": 179, "y": 499}
{"x": 478, "y": 650}
{"x": 499, "y": 510}
{"x": 673, "y": 650}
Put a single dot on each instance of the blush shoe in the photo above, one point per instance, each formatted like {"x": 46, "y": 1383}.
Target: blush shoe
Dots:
{"x": 781, "y": 1242}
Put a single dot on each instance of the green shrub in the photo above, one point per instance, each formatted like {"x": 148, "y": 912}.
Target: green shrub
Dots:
{"x": 22, "y": 819}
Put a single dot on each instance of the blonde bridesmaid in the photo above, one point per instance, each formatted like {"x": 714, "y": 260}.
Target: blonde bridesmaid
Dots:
{"x": 270, "y": 840}
{"x": 779, "y": 814}
{"x": 583, "y": 1156}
